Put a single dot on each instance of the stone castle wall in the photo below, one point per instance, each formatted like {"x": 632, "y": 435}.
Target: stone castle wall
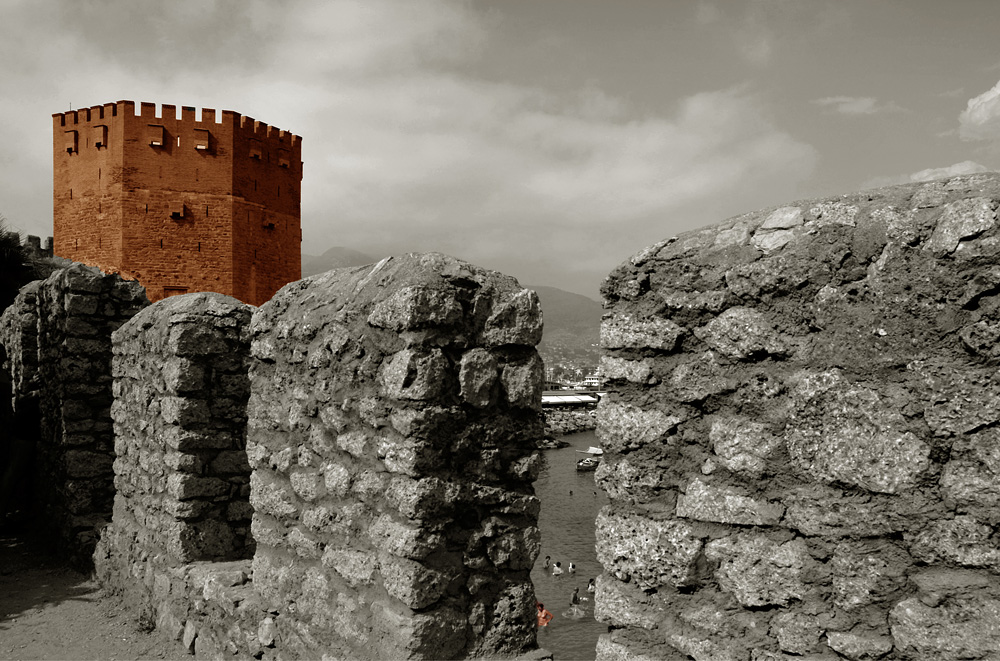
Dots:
{"x": 181, "y": 472}
{"x": 799, "y": 435}
{"x": 393, "y": 416}
{"x": 391, "y": 427}
{"x": 801, "y": 444}
{"x": 62, "y": 367}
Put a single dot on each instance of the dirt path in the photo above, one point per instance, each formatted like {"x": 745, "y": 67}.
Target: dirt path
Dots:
{"x": 48, "y": 611}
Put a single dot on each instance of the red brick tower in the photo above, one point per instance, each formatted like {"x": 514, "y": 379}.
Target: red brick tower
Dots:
{"x": 180, "y": 205}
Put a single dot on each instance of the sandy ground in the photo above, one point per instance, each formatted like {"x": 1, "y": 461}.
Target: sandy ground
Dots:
{"x": 48, "y": 611}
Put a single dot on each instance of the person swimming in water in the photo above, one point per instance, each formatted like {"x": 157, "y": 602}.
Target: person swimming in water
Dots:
{"x": 591, "y": 587}
{"x": 574, "y": 612}
{"x": 544, "y": 616}
{"x": 572, "y": 568}
{"x": 557, "y": 569}
{"x": 548, "y": 559}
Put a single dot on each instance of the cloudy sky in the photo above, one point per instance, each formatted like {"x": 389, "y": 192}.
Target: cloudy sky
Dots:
{"x": 549, "y": 139}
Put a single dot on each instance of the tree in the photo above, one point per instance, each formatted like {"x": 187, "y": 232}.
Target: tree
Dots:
{"x": 16, "y": 268}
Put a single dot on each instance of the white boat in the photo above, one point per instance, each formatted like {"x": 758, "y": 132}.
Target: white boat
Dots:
{"x": 592, "y": 450}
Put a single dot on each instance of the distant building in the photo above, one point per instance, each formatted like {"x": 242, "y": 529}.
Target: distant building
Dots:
{"x": 592, "y": 381}
{"x": 181, "y": 205}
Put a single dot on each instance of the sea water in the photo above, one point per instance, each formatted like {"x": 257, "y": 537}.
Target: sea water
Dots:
{"x": 570, "y": 502}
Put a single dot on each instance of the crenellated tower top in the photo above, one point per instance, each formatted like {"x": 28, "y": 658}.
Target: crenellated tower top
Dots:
{"x": 202, "y": 118}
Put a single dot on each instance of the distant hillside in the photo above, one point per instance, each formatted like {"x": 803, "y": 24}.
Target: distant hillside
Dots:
{"x": 572, "y": 332}
{"x": 334, "y": 258}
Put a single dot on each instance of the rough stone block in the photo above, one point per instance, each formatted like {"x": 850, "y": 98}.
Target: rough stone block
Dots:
{"x": 859, "y": 646}
{"x": 846, "y": 433}
{"x": 819, "y": 510}
{"x": 759, "y": 571}
{"x": 962, "y": 540}
{"x": 402, "y": 539}
{"x": 783, "y": 218}
{"x": 477, "y": 375}
{"x": 867, "y": 572}
{"x": 624, "y": 605}
{"x": 623, "y": 369}
{"x": 699, "y": 378}
{"x": 182, "y": 375}
{"x": 416, "y": 307}
{"x": 829, "y": 212}
{"x": 194, "y": 339}
{"x": 183, "y": 411}
{"x": 648, "y": 553}
{"x": 522, "y": 383}
{"x": 271, "y": 494}
{"x": 355, "y": 567}
{"x": 307, "y": 484}
{"x": 742, "y": 333}
{"x": 707, "y": 502}
{"x": 796, "y": 633}
{"x": 963, "y": 628}
{"x": 743, "y": 446}
{"x": 412, "y": 583}
{"x": 515, "y": 550}
{"x": 417, "y": 376}
{"x": 612, "y": 648}
{"x": 622, "y": 426}
{"x": 626, "y": 480}
{"x": 517, "y": 320}
{"x": 704, "y": 649}
{"x": 961, "y": 219}
{"x": 184, "y": 486}
{"x": 971, "y": 479}
{"x": 623, "y": 331}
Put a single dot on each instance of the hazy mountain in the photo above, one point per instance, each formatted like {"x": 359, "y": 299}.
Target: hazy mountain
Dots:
{"x": 334, "y": 258}
{"x": 572, "y": 332}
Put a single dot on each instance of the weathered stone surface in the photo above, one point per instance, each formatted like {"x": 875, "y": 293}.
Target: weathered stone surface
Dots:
{"x": 741, "y": 333}
{"x": 959, "y": 220}
{"x": 743, "y": 446}
{"x": 961, "y": 540}
{"x": 971, "y": 479}
{"x": 622, "y": 369}
{"x": 627, "y": 480}
{"x": 859, "y": 646}
{"x": 962, "y": 628}
{"x": 624, "y": 426}
{"x": 867, "y": 572}
{"x": 57, "y": 345}
{"x": 412, "y": 308}
{"x": 845, "y": 433}
{"x": 699, "y": 378}
{"x": 825, "y": 422}
{"x": 623, "y": 332}
{"x": 625, "y": 605}
{"x": 759, "y": 571}
{"x": 517, "y": 320}
{"x": 477, "y": 376}
{"x": 796, "y": 633}
{"x": 649, "y": 554}
{"x": 706, "y": 502}
{"x": 393, "y": 417}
